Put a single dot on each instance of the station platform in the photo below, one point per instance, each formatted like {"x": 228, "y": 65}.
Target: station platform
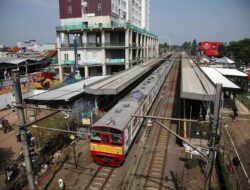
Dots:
{"x": 116, "y": 83}
{"x": 195, "y": 85}
{"x": 198, "y": 83}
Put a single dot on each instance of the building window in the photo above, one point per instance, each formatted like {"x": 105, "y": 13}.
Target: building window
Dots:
{"x": 70, "y": 9}
{"x": 84, "y": 10}
{"x": 99, "y": 6}
{"x": 78, "y": 56}
{"x": 66, "y": 56}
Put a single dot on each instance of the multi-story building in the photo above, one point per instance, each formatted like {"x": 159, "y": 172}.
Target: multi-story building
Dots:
{"x": 102, "y": 37}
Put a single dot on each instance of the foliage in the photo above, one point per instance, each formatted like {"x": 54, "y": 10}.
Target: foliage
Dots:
{"x": 191, "y": 48}
{"x": 186, "y": 46}
{"x": 194, "y": 48}
{"x": 244, "y": 99}
{"x": 239, "y": 51}
{"x": 5, "y": 157}
{"x": 223, "y": 50}
{"x": 223, "y": 173}
{"x": 165, "y": 45}
{"x": 44, "y": 137}
{"x": 192, "y": 163}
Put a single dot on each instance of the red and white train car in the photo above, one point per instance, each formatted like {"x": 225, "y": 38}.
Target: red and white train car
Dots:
{"x": 113, "y": 135}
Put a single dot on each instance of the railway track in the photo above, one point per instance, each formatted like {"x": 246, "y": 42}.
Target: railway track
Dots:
{"x": 100, "y": 178}
{"x": 149, "y": 170}
{"x": 103, "y": 176}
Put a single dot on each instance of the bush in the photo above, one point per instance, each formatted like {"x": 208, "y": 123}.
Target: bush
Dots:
{"x": 192, "y": 163}
{"x": 223, "y": 172}
{"x": 244, "y": 99}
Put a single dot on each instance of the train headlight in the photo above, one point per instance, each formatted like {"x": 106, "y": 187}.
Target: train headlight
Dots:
{"x": 117, "y": 150}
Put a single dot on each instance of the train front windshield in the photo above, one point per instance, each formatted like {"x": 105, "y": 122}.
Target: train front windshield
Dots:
{"x": 106, "y": 135}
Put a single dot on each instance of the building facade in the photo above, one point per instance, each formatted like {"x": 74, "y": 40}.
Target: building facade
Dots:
{"x": 104, "y": 36}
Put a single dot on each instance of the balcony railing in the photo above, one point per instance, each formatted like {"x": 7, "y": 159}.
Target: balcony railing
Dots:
{"x": 94, "y": 45}
{"x": 114, "y": 25}
{"x": 69, "y": 62}
{"x": 92, "y": 62}
{"x": 112, "y": 44}
{"x": 115, "y": 61}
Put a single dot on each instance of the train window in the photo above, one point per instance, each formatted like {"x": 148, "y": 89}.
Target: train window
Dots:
{"x": 96, "y": 129}
{"x": 105, "y": 139}
{"x": 116, "y": 139}
{"x": 95, "y": 137}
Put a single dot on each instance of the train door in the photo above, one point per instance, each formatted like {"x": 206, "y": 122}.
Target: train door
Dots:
{"x": 105, "y": 138}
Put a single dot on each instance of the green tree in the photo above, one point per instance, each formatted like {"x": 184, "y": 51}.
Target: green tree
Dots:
{"x": 240, "y": 51}
{"x": 223, "y": 50}
{"x": 186, "y": 46}
{"x": 194, "y": 47}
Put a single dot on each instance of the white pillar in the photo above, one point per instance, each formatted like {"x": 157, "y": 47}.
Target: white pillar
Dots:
{"x": 58, "y": 42}
{"x": 103, "y": 59}
{"x": 131, "y": 38}
{"x": 86, "y": 71}
{"x": 66, "y": 39}
{"x": 137, "y": 46}
{"x": 84, "y": 38}
{"x": 141, "y": 47}
{"x": 127, "y": 40}
{"x": 104, "y": 69}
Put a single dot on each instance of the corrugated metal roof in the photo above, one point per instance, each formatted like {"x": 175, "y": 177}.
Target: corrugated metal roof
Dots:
{"x": 118, "y": 82}
{"x": 12, "y": 60}
{"x": 216, "y": 77}
{"x": 67, "y": 92}
{"x": 194, "y": 83}
{"x": 231, "y": 72}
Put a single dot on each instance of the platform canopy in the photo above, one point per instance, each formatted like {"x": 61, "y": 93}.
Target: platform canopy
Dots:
{"x": 231, "y": 72}
{"x": 194, "y": 83}
{"x": 116, "y": 83}
{"x": 216, "y": 77}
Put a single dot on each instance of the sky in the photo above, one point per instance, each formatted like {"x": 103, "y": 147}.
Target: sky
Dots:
{"x": 175, "y": 20}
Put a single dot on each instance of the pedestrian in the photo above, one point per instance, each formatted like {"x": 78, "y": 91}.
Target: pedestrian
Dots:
{"x": 61, "y": 184}
{"x": 236, "y": 162}
{"x": 5, "y": 74}
{"x": 235, "y": 112}
{"x": 18, "y": 137}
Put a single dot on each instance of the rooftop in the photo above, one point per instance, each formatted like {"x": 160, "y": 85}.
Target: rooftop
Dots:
{"x": 118, "y": 82}
{"x": 67, "y": 92}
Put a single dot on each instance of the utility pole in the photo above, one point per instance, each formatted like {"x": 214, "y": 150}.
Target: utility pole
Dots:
{"x": 22, "y": 128}
{"x": 214, "y": 137}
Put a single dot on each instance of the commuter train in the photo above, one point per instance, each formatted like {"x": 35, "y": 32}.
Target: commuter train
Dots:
{"x": 112, "y": 136}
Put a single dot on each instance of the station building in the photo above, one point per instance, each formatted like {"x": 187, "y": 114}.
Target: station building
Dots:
{"x": 102, "y": 37}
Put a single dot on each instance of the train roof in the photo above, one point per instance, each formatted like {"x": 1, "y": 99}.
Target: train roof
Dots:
{"x": 120, "y": 114}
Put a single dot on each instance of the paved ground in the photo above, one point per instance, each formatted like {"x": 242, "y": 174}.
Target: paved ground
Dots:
{"x": 9, "y": 147}
{"x": 240, "y": 133}
{"x": 175, "y": 165}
